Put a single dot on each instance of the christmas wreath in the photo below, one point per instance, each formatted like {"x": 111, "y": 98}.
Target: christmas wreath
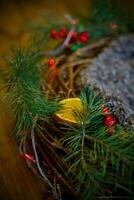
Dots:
{"x": 68, "y": 135}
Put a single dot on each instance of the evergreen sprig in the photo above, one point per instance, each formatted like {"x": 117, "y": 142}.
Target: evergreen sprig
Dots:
{"x": 23, "y": 90}
{"x": 100, "y": 161}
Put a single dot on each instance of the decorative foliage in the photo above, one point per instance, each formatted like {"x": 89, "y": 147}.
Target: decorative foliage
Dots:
{"x": 100, "y": 161}
{"x": 94, "y": 158}
{"x": 24, "y": 96}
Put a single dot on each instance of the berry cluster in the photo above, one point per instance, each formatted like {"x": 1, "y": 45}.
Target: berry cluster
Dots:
{"x": 58, "y": 35}
{"x": 75, "y": 37}
{"x": 109, "y": 121}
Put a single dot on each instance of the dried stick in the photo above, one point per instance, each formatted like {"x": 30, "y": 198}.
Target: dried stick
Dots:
{"x": 58, "y": 174}
{"x": 81, "y": 62}
{"x": 62, "y": 82}
{"x": 92, "y": 46}
{"x": 76, "y": 73}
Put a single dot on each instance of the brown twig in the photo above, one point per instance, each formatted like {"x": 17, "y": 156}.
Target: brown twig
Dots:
{"x": 92, "y": 46}
{"x": 62, "y": 82}
{"x": 50, "y": 89}
{"x": 70, "y": 76}
{"x": 59, "y": 176}
{"x": 81, "y": 62}
{"x": 56, "y": 160}
{"x": 78, "y": 71}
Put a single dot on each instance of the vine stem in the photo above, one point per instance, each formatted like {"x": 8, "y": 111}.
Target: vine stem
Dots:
{"x": 38, "y": 163}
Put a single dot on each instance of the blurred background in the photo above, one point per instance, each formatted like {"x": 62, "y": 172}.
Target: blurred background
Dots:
{"x": 15, "y": 14}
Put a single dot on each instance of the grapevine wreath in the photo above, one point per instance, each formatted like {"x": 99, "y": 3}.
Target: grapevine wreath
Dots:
{"x": 68, "y": 134}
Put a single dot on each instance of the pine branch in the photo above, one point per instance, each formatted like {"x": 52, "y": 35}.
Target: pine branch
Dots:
{"x": 99, "y": 160}
{"x": 23, "y": 94}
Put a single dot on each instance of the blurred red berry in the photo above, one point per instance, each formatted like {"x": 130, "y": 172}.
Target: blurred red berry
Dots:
{"x": 74, "y": 36}
{"x": 84, "y": 33}
{"x": 83, "y": 37}
{"x": 55, "y": 35}
{"x": 110, "y": 121}
{"x": 51, "y": 62}
{"x": 63, "y": 33}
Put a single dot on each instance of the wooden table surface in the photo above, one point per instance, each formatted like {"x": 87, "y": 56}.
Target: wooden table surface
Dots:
{"x": 16, "y": 180}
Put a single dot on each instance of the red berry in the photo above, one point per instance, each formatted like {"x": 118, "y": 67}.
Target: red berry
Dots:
{"x": 63, "y": 33}
{"x": 84, "y": 33}
{"x": 74, "y": 36}
{"x": 83, "y": 37}
{"x": 51, "y": 62}
{"x": 55, "y": 35}
{"x": 110, "y": 121}
{"x": 106, "y": 110}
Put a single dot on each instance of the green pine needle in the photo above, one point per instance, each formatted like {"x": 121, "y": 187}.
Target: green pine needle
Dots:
{"x": 24, "y": 95}
{"x": 99, "y": 160}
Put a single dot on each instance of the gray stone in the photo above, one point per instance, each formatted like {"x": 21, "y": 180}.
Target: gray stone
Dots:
{"x": 113, "y": 73}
